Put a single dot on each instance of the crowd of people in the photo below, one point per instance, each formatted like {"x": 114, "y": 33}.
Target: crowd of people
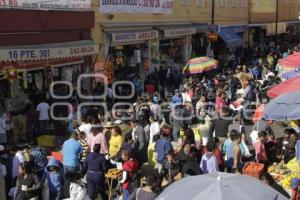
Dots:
{"x": 196, "y": 126}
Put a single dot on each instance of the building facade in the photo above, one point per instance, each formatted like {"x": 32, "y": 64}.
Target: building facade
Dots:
{"x": 262, "y": 18}
{"x": 39, "y": 46}
{"x": 140, "y": 38}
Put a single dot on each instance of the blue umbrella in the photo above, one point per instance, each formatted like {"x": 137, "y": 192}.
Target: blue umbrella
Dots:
{"x": 284, "y": 107}
{"x": 291, "y": 74}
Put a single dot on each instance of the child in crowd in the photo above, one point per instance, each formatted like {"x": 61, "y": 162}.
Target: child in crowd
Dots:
{"x": 259, "y": 146}
{"x": 271, "y": 145}
{"x": 130, "y": 167}
{"x": 233, "y": 153}
{"x": 209, "y": 161}
{"x": 172, "y": 166}
{"x": 54, "y": 179}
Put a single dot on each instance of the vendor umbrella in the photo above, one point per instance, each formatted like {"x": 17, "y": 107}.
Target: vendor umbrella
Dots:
{"x": 220, "y": 186}
{"x": 200, "y": 65}
{"x": 290, "y": 74}
{"x": 291, "y": 61}
{"x": 291, "y": 85}
{"x": 284, "y": 107}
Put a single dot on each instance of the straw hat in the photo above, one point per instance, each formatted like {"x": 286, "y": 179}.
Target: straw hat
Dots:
{"x": 109, "y": 124}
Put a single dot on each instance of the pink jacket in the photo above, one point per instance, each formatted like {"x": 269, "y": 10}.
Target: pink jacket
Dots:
{"x": 98, "y": 139}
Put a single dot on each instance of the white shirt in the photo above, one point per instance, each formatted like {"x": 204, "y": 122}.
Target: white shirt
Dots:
{"x": 20, "y": 156}
{"x": 154, "y": 129}
{"x": 43, "y": 108}
{"x": 133, "y": 133}
{"x": 86, "y": 128}
{"x": 186, "y": 97}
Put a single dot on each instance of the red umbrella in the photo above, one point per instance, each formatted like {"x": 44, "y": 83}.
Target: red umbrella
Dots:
{"x": 259, "y": 113}
{"x": 291, "y": 85}
{"x": 291, "y": 61}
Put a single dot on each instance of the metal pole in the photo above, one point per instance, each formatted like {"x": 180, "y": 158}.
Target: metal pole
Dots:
{"x": 276, "y": 25}
{"x": 213, "y": 12}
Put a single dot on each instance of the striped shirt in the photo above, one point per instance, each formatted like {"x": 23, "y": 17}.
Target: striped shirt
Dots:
{"x": 85, "y": 149}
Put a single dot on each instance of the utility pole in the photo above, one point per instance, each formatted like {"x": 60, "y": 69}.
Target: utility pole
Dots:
{"x": 213, "y": 12}
{"x": 211, "y": 47}
{"x": 276, "y": 25}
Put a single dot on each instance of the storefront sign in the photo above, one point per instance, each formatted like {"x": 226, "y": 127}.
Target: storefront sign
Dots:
{"x": 134, "y": 36}
{"x": 46, "y": 4}
{"x": 179, "y": 32}
{"x": 136, "y": 6}
{"x": 263, "y": 6}
{"x": 36, "y": 53}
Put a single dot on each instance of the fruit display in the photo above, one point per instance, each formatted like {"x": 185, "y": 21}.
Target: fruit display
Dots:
{"x": 293, "y": 165}
{"x": 286, "y": 182}
{"x": 113, "y": 173}
{"x": 279, "y": 171}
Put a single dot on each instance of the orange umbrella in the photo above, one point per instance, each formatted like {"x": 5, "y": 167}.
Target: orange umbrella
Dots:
{"x": 259, "y": 112}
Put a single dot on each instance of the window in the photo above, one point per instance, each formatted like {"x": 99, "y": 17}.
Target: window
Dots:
{"x": 201, "y": 3}
{"x": 234, "y": 3}
{"x": 223, "y": 3}
{"x": 185, "y": 2}
{"x": 244, "y": 3}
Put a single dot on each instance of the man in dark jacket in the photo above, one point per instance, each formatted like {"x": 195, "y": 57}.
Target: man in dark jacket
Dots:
{"x": 220, "y": 125}
{"x": 39, "y": 158}
{"x": 140, "y": 143}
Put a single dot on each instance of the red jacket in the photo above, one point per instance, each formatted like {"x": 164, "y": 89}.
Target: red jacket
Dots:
{"x": 131, "y": 166}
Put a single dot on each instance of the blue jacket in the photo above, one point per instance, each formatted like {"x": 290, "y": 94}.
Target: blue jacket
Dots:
{"x": 162, "y": 147}
{"x": 40, "y": 158}
{"x": 54, "y": 179}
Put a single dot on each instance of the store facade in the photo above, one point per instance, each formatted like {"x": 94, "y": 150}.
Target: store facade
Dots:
{"x": 33, "y": 55}
{"x": 130, "y": 52}
{"x": 175, "y": 44}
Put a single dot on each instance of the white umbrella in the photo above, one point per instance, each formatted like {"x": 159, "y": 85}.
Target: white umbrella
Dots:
{"x": 220, "y": 186}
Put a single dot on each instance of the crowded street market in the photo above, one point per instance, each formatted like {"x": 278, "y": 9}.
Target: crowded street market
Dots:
{"x": 102, "y": 101}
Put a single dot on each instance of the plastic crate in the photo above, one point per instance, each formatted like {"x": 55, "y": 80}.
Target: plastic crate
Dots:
{"x": 253, "y": 169}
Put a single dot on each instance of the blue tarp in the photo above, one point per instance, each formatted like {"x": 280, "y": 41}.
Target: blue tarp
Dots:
{"x": 230, "y": 37}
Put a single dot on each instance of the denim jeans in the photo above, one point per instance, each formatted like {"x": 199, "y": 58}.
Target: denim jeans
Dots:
{"x": 126, "y": 194}
{"x": 175, "y": 134}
